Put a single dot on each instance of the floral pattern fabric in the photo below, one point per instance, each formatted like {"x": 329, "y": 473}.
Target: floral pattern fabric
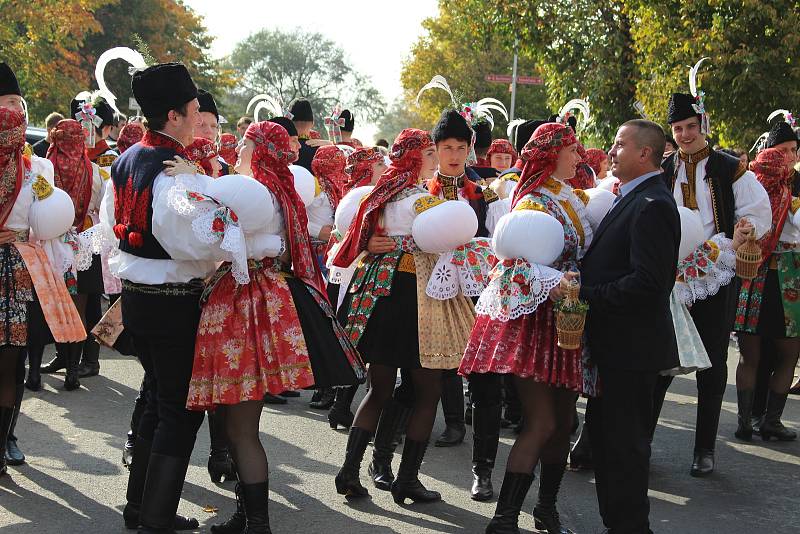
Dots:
{"x": 16, "y": 291}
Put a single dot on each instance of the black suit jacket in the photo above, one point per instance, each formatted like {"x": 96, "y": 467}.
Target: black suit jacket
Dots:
{"x": 627, "y": 275}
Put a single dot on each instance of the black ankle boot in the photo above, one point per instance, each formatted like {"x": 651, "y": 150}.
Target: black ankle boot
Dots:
{"x": 772, "y": 426}
{"x": 407, "y": 484}
{"x": 90, "y": 363}
{"x": 255, "y": 498}
{"x": 56, "y": 364}
{"x": 486, "y": 436}
{"x": 703, "y": 463}
{"x": 745, "y": 429}
{"x": 545, "y": 513}
{"x": 220, "y": 464}
{"x": 325, "y": 401}
{"x": 237, "y": 523}
{"x": 347, "y": 482}
{"x": 6, "y": 416}
{"x": 341, "y": 413}
{"x": 394, "y": 416}
{"x": 34, "y": 380}
{"x": 73, "y": 351}
{"x": 509, "y": 503}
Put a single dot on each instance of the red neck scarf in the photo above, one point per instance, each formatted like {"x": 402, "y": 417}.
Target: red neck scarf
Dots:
{"x": 227, "y": 148}
{"x": 359, "y": 167}
{"x": 269, "y": 164}
{"x": 130, "y": 134}
{"x": 328, "y": 167}
{"x": 100, "y": 148}
{"x": 540, "y": 156}
{"x": 72, "y": 167}
{"x": 12, "y": 165}
{"x": 201, "y": 151}
{"x": 406, "y": 156}
{"x": 771, "y": 170}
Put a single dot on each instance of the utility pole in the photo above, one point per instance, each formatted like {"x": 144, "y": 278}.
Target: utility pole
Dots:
{"x": 514, "y": 80}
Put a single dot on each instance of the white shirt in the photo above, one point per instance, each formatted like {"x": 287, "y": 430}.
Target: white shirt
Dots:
{"x": 320, "y": 213}
{"x": 750, "y": 199}
{"x": 18, "y": 219}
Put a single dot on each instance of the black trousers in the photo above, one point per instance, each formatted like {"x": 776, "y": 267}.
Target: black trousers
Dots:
{"x": 163, "y": 330}
{"x": 619, "y": 423}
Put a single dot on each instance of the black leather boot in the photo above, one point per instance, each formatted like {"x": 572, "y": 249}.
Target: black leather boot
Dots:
{"x": 14, "y": 455}
{"x": 73, "y": 351}
{"x": 545, "y": 513}
{"x": 162, "y": 494}
{"x": 56, "y": 364}
{"x": 220, "y": 463}
{"x": 137, "y": 478}
{"x": 6, "y": 416}
{"x": 347, "y": 480}
{"x": 772, "y": 426}
{"x": 394, "y": 416}
{"x": 255, "y": 498}
{"x": 325, "y": 401}
{"x": 509, "y": 503}
{"x": 341, "y": 413}
{"x": 90, "y": 364}
{"x": 486, "y": 436}
{"x": 127, "y": 449}
{"x": 407, "y": 484}
{"x": 708, "y": 409}
{"x": 453, "y": 409}
{"x": 237, "y": 522}
{"x": 703, "y": 463}
{"x": 745, "y": 429}
{"x": 269, "y": 398}
{"x": 34, "y": 380}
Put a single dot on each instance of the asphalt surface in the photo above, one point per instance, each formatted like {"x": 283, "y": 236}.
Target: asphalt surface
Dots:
{"x": 74, "y": 480}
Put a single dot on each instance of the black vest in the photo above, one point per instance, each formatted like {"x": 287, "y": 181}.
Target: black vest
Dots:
{"x": 133, "y": 174}
{"x": 721, "y": 171}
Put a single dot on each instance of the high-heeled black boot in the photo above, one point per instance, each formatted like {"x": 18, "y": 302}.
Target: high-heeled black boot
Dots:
{"x": 73, "y": 355}
{"x": 407, "y": 484}
{"x": 545, "y": 513}
{"x": 6, "y": 416}
{"x": 745, "y": 404}
{"x": 238, "y": 521}
{"x": 255, "y": 498}
{"x": 509, "y": 503}
{"x": 34, "y": 380}
{"x": 772, "y": 426}
{"x": 486, "y": 436}
{"x": 395, "y": 415}
{"x": 347, "y": 480}
{"x": 341, "y": 413}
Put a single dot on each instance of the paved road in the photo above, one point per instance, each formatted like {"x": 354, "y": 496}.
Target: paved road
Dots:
{"x": 74, "y": 479}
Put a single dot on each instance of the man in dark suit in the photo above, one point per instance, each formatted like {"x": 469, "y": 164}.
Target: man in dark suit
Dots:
{"x": 627, "y": 276}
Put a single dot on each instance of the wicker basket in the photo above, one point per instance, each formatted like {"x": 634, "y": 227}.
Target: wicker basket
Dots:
{"x": 748, "y": 259}
{"x": 569, "y": 325}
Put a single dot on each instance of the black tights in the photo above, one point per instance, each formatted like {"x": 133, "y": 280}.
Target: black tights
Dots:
{"x": 9, "y": 358}
{"x": 786, "y": 350}
{"x": 241, "y": 424}
{"x": 548, "y": 413}
{"x": 427, "y": 390}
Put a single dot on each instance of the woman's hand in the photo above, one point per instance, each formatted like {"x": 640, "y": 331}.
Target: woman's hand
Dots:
{"x": 558, "y": 292}
{"x": 179, "y": 166}
{"x": 325, "y": 232}
{"x": 379, "y": 244}
{"x": 742, "y": 232}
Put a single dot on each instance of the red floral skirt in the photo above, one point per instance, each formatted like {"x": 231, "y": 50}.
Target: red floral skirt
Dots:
{"x": 526, "y": 347}
{"x": 249, "y": 342}
{"x": 16, "y": 291}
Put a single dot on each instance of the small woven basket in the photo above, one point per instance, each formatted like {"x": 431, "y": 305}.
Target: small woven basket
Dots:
{"x": 748, "y": 259}
{"x": 569, "y": 324}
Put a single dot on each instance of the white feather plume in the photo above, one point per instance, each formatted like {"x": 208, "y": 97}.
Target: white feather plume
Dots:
{"x": 758, "y": 146}
{"x": 579, "y": 104}
{"x": 777, "y": 113}
{"x": 511, "y": 131}
{"x": 437, "y": 82}
{"x": 485, "y": 106}
{"x": 134, "y": 59}
{"x": 266, "y": 102}
{"x": 693, "y": 76}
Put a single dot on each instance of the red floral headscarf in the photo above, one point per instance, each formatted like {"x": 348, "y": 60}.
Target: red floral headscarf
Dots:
{"x": 227, "y": 148}
{"x": 501, "y": 146}
{"x": 72, "y": 167}
{"x": 406, "y": 156}
{"x": 201, "y": 151}
{"x": 583, "y": 179}
{"x": 270, "y": 166}
{"x": 129, "y": 135}
{"x": 540, "y": 156}
{"x": 771, "y": 170}
{"x": 12, "y": 164}
{"x": 595, "y": 158}
{"x": 328, "y": 167}
{"x": 359, "y": 167}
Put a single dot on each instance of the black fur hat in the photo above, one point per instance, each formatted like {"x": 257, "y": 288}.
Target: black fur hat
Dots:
{"x": 163, "y": 87}
{"x": 301, "y": 111}
{"x": 681, "y": 108}
{"x": 286, "y": 123}
{"x": 780, "y": 132}
{"x": 483, "y": 134}
{"x": 451, "y": 125}
{"x": 349, "y": 120}
{"x": 8, "y": 81}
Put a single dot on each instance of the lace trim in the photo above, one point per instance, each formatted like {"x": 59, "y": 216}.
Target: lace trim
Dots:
{"x": 516, "y": 288}
{"x": 711, "y": 266}
{"x": 466, "y": 268}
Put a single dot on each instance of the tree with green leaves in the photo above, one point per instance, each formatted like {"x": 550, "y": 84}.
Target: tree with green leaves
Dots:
{"x": 289, "y": 65}
{"x": 400, "y": 115}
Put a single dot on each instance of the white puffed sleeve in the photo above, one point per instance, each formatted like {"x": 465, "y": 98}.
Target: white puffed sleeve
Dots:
{"x": 440, "y": 226}
{"x": 752, "y": 203}
{"x": 494, "y": 211}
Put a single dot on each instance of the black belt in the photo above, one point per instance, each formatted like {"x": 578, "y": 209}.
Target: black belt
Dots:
{"x": 191, "y": 288}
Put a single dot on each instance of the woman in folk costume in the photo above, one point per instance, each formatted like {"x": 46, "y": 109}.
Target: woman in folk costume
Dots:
{"x": 29, "y": 204}
{"x": 515, "y": 332}
{"x": 501, "y": 155}
{"x": 768, "y": 304}
{"x": 129, "y": 135}
{"x": 364, "y": 167}
{"x": 227, "y": 148}
{"x": 389, "y": 316}
{"x": 203, "y": 153}
{"x": 269, "y": 329}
